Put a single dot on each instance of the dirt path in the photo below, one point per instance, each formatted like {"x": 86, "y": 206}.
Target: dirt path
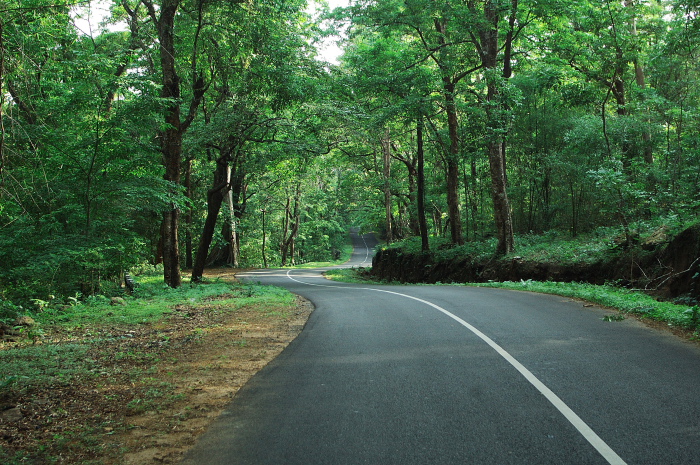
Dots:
{"x": 158, "y": 386}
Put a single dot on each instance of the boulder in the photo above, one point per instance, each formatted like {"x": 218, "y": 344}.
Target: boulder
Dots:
{"x": 117, "y": 301}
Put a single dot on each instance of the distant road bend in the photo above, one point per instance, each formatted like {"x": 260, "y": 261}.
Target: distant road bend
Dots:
{"x": 460, "y": 375}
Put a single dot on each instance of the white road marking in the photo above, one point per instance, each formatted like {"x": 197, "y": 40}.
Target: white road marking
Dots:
{"x": 588, "y": 433}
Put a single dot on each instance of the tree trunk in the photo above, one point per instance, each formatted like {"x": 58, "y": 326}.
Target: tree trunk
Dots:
{"x": 423, "y": 224}
{"x": 386, "y": 152}
{"x": 171, "y": 139}
{"x": 409, "y": 208}
{"x": 2, "y": 106}
{"x": 215, "y": 197}
{"x": 453, "y": 164}
{"x": 264, "y": 238}
{"x": 171, "y": 250}
{"x": 234, "y": 255}
{"x": 501, "y": 205}
{"x": 291, "y": 229}
{"x": 188, "y": 215}
{"x": 641, "y": 83}
{"x": 449, "y": 87}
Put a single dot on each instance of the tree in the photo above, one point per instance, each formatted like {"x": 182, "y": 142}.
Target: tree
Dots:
{"x": 256, "y": 79}
{"x": 461, "y": 40}
{"x": 171, "y": 136}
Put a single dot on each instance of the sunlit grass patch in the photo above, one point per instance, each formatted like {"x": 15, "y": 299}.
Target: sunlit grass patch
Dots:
{"x": 152, "y": 299}
{"x": 349, "y": 275}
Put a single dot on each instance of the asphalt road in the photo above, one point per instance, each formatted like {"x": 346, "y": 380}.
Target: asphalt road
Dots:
{"x": 458, "y": 375}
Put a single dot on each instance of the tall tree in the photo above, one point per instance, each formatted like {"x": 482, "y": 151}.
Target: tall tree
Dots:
{"x": 496, "y": 110}
{"x": 164, "y": 18}
{"x": 258, "y": 75}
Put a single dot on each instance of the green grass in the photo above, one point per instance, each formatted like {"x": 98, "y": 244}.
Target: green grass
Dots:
{"x": 47, "y": 363}
{"x": 349, "y": 275}
{"x": 152, "y": 299}
{"x": 44, "y": 364}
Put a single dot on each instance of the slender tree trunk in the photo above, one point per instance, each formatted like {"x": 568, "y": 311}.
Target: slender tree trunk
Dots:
{"x": 646, "y": 134}
{"x": 292, "y": 223}
{"x": 264, "y": 238}
{"x": 2, "y": 104}
{"x": 499, "y": 195}
{"x": 453, "y": 164}
{"x": 188, "y": 215}
{"x": 386, "y": 152}
{"x": 449, "y": 88}
{"x": 234, "y": 255}
{"x": 171, "y": 139}
{"x": 641, "y": 83}
{"x": 640, "y": 78}
{"x": 423, "y": 224}
{"x": 501, "y": 204}
{"x": 285, "y": 228}
{"x": 215, "y": 197}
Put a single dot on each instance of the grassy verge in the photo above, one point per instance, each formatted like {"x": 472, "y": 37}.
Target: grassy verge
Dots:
{"x": 623, "y": 300}
{"x": 79, "y": 374}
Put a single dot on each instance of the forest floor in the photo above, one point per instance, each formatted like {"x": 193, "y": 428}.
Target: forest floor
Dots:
{"x": 159, "y": 388}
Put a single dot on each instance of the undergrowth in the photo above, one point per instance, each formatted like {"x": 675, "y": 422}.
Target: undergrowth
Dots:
{"x": 149, "y": 301}
{"x": 73, "y": 343}
{"x": 38, "y": 358}
{"x": 551, "y": 246}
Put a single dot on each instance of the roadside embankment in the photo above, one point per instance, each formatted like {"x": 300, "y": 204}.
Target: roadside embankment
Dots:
{"x": 665, "y": 266}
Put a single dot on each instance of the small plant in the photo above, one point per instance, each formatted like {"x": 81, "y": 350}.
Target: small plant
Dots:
{"x": 7, "y": 382}
{"x": 41, "y": 305}
{"x": 617, "y": 317}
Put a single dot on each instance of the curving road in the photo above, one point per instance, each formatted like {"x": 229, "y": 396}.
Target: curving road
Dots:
{"x": 458, "y": 375}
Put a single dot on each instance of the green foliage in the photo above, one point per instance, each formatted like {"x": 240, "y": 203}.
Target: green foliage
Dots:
{"x": 442, "y": 248}
{"x": 349, "y": 275}
{"x": 588, "y": 144}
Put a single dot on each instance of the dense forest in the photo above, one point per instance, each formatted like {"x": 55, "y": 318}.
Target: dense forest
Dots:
{"x": 184, "y": 133}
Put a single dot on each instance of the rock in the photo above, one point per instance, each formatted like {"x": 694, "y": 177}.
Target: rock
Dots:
{"x": 681, "y": 257}
{"x": 117, "y": 301}
{"x": 25, "y": 321}
{"x": 13, "y": 414}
